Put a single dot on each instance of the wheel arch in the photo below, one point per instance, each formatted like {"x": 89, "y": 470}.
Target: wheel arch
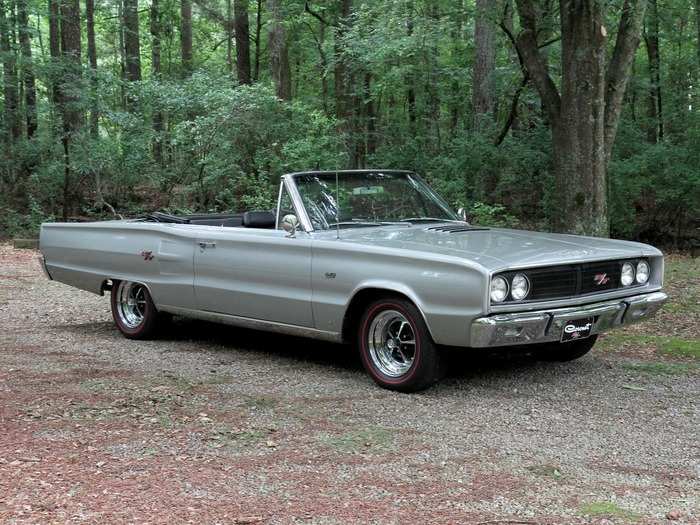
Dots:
{"x": 364, "y": 295}
{"x": 109, "y": 284}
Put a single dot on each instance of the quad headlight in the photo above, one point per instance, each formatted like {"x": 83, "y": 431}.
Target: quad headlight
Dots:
{"x": 520, "y": 287}
{"x": 643, "y": 272}
{"x": 499, "y": 289}
{"x": 627, "y": 275}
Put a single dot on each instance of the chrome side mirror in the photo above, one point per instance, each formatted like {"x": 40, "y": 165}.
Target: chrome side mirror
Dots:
{"x": 462, "y": 214}
{"x": 290, "y": 224}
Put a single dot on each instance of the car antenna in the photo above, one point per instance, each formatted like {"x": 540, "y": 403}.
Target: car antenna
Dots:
{"x": 337, "y": 205}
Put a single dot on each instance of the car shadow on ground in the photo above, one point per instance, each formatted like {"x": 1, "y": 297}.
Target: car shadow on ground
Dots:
{"x": 463, "y": 364}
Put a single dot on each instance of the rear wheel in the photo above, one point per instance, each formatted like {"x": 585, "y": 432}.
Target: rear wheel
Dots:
{"x": 396, "y": 348}
{"x": 133, "y": 310}
{"x": 565, "y": 351}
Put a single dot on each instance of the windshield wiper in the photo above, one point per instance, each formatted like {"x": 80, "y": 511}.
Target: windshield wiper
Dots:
{"x": 362, "y": 223}
{"x": 427, "y": 219}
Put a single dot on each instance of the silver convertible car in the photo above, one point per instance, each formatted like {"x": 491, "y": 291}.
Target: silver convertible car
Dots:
{"x": 374, "y": 258}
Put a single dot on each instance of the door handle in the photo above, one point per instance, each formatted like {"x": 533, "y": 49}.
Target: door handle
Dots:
{"x": 206, "y": 244}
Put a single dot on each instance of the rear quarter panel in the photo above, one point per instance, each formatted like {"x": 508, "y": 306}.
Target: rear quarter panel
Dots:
{"x": 84, "y": 255}
{"x": 447, "y": 290}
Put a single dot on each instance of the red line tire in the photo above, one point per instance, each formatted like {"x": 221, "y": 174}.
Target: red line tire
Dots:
{"x": 396, "y": 348}
{"x": 133, "y": 310}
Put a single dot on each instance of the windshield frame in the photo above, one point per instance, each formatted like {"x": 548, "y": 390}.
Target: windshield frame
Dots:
{"x": 289, "y": 182}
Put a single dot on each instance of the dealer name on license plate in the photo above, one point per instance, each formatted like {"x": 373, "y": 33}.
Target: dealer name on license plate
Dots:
{"x": 577, "y": 329}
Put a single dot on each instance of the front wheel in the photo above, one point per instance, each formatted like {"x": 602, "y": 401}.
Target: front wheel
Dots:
{"x": 396, "y": 348}
{"x": 565, "y": 351}
{"x": 133, "y": 310}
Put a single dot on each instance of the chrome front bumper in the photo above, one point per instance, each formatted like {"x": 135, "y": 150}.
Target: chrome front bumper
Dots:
{"x": 546, "y": 325}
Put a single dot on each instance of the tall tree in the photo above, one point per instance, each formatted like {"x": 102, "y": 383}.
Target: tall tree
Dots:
{"x": 132, "y": 45}
{"x": 279, "y": 52}
{"x": 410, "y": 77}
{"x": 655, "y": 130}
{"x": 585, "y": 111}
{"x": 240, "y": 10}
{"x": 258, "y": 42}
{"x": 186, "y": 36}
{"x": 697, "y": 27}
{"x": 13, "y": 126}
{"x": 156, "y": 31}
{"x": 92, "y": 59}
{"x": 54, "y": 47}
{"x": 69, "y": 96}
{"x": 25, "y": 42}
{"x": 483, "y": 91}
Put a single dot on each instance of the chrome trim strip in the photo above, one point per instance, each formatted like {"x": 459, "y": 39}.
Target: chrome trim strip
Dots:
{"x": 546, "y": 326}
{"x": 297, "y": 202}
{"x": 279, "y": 203}
{"x": 254, "y": 324}
{"x": 580, "y": 300}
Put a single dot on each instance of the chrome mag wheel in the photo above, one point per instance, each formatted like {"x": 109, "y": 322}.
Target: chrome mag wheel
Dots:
{"x": 391, "y": 343}
{"x": 131, "y": 303}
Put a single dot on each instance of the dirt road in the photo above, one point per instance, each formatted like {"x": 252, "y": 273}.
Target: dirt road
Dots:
{"x": 212, "y": 424}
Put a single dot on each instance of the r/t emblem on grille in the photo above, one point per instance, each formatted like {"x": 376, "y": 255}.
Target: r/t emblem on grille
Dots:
{"x": 330, "y": 275}
{"x": 147, "y": 255}
{"x": 601, "y": 278}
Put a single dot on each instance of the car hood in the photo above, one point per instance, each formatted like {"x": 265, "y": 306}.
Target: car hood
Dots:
{"x": 496, "y": 248}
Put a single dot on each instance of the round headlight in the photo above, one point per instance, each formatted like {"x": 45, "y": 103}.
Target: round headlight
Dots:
{"x": 499, "y": 289}
{"x": 642, "y": 272}
{"x": 520, "y": 287}
{"x": 627, "y": 276}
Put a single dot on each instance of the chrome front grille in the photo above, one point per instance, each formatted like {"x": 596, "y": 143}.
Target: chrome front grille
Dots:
{"x": 570, "y": 280}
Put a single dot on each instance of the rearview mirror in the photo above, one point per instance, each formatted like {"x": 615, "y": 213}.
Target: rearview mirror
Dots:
{"x": 462, "y": 214}
{"x": 290, "y": 224}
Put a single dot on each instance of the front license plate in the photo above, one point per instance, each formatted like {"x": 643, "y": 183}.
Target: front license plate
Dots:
{"x": 577, "y": 329}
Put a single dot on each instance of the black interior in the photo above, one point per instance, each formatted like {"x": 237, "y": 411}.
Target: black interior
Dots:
{"x": 249, "y": 219}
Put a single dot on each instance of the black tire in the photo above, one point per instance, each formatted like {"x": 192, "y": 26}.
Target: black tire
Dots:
{"x": 144, "y": 320}
{"x": 562, "y": 352}
{"x": 424, "y": 368}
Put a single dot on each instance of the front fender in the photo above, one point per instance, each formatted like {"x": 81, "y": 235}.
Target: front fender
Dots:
{"x": 449, "y": 292}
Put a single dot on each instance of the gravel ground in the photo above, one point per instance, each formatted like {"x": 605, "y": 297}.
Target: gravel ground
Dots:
{"x": 211, "y": 424}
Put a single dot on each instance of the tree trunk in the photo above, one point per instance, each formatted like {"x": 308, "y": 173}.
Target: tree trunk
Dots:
{"x": 13, "y": 125}
{"x": 258, "y": 43}
{"x": 156, "y": 74}
{"x": 279, "y": 53}
{"x": 186, "y": 36}
{"x": 229, "y": 36}
{"x": 28, "y": 78}
{"x": 483, "y": 91}
{"x": 240, "y": 10}
{"x": 132, "y": 45}
{"x": 340, "y": 67}
{"x": 370, "y": 116}
{"x": 585, "y": 116}
{"x": 697, "y": 26}
{"x": 655, "y": 129}
{"x": 92, "y": 58}
{"x": 410, "y": 81}
{"x": 54, "y": 47}
{"x": 69, "y": 98}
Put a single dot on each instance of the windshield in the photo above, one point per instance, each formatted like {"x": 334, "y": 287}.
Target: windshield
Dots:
{"x": 368, "y": 199}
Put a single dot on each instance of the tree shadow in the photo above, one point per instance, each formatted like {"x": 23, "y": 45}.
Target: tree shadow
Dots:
{"x": 462, "y": 364}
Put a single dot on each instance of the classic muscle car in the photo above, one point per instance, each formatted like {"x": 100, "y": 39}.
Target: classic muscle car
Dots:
{"x": 372, "y": 257}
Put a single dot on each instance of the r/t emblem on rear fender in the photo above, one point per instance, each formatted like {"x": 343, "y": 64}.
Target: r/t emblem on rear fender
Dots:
{"x": 147, "y": 255}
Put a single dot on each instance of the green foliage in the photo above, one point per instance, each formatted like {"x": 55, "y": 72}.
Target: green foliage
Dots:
{"x": 609, "y": 509}
{"x": 224, "y": 146}
{"x": 492, "y": 215}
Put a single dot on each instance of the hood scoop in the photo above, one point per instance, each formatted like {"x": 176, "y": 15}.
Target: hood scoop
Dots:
{"x": 456, "y": 228}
